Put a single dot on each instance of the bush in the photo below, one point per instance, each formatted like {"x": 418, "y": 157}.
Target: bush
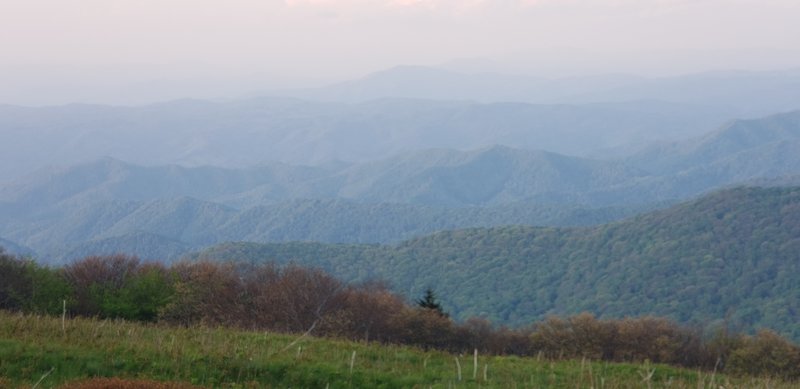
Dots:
{"x": 576, "y": 337}
{"x": 301, "y": 298}
{"x": 26, "y": 286}
{"x": 93, "y": 277}
{"x": 118, "y": 286}
{"x": 49, "y": 290}
{"x": 628, "y": 340}
{"x": 766, "y": 354}
{"x": 365, "y": 312}
{"x": 204, "y": 292}
{"x": 658, "y": 340}
{"x": 141, "y": 297}
{"x": 424, "y": 327}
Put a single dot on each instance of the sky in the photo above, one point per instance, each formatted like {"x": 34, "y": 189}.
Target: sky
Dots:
{"x": 86, "y": 49}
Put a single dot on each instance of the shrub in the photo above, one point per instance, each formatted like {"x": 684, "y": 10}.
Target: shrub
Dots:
{"x": 93, "y": 277}
{"x": 766, "y": 354}
{"x": 303, "y": 297}
{"x": 576, "y": 337}
{"x": 652, "y": 339}
{"x": 365, "y": 312}
{"x": 118, "y": 286}
{"x": 141, "y": 297}
{"x": 658, "y": 340}
{"x": 204, "y": 292}
{"x": 49, "y": 290}
{"x": 423, "y": 327}
{"x": 26, "y": 286}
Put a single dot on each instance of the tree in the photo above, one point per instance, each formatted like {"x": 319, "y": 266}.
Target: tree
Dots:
{"x": 15, "y": 282}
{"x": 94, "y": 277}
{"x": 428, "y": 301}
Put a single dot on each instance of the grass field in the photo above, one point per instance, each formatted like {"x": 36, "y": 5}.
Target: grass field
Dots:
{"x": 39, "y": 351}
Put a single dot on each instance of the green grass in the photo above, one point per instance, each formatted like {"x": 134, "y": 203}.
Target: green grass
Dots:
{"x": 31, "y": 346}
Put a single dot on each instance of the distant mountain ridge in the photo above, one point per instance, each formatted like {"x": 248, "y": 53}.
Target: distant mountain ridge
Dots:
{"x": 775, "y": 90}
{"x": 266, "y": 130}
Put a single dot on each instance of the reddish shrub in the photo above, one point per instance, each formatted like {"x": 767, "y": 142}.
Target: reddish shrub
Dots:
{"x": 205, "y": 292}
{"x": 366, "y": 312}
{"x": 425, "y": 328}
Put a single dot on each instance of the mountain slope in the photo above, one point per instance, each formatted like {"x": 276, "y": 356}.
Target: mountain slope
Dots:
{"x": 193, "y": 224}
{"x": 13, "y": 248}
{"x": 491, "y": 175}
{"x": 183, "y": 219}
{"x": 149, "y": 247}
{"x": 109, "y": 179}
{"x": 488, "y": 176}
{"x": 732, "y": 255}
{"x": 733, "y": 138}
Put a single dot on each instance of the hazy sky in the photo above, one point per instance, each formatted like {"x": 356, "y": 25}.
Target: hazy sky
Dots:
{"x": 230, "y": 43}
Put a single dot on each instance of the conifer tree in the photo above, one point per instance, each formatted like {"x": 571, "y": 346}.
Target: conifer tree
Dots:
{"x": 429, "y": 301}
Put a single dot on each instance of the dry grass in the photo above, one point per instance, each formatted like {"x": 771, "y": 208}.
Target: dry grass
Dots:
{"x": 31, "y": 346}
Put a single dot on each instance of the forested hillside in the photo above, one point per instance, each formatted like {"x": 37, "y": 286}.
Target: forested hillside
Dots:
{"x": 730, "y": 258}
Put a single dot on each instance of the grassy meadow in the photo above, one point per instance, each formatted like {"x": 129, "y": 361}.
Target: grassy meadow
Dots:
{"x": 44, "y": 352}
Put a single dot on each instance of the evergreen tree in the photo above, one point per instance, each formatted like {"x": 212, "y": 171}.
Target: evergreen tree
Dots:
{"x": 428, "y": 301}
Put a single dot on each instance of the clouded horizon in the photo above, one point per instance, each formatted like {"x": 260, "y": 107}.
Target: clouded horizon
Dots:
{"x": 215, "y": 49}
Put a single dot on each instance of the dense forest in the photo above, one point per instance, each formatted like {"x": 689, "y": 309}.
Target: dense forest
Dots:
{"x": 726, "y": 259}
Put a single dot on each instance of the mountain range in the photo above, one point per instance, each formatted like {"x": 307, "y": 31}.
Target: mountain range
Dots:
{"x": 394, "y": 112}
{"x": 775, "y": 90}
{"x": 268, "y": 130}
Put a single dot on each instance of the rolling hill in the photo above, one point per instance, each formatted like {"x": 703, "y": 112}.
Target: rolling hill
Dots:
{"x": 727, "y": 258}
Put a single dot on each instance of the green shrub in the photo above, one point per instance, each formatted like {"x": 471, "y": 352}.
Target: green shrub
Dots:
{"x": 766, "y": 354}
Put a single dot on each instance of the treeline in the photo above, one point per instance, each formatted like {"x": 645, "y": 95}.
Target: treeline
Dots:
{"x": 296, "y": 299}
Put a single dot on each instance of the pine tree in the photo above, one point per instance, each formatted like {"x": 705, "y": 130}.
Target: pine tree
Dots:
{"x": 428, "y": 301}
